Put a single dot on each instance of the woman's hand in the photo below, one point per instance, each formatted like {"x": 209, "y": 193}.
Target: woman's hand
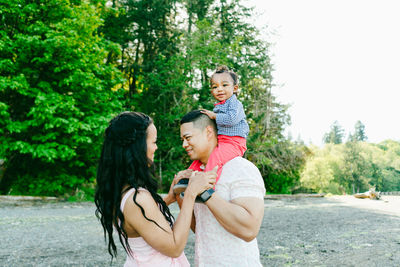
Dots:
{"x": 201, "y": 181}
{"x": 171, "y": 197}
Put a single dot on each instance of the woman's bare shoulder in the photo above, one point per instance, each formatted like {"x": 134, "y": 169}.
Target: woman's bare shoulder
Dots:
{"x": 143, "y": 198}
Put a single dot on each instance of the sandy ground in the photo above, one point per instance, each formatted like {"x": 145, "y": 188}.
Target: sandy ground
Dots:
{"x": 328, "y": 231}
{"x": 386, "y": 205}
{"x": 331, "y": 231}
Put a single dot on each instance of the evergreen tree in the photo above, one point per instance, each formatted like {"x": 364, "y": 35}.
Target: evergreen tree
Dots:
{"x": 335, "y": 135}
{"x": 359, "y": 132}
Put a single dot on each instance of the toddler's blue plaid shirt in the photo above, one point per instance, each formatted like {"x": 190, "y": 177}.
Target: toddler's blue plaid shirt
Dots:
{"x": 230, "y": 118}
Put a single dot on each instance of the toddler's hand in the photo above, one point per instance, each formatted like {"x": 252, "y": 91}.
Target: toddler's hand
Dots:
{"x": 201, "y": 181}
{"x": 210, "y": 114}
{"x": 183, "y": 174}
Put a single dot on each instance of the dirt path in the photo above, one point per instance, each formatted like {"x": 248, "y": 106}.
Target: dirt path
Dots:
{"x": 295, "y": 232}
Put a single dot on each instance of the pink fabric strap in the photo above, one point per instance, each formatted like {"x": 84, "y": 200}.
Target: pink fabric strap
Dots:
{"x": 125, "y": 198}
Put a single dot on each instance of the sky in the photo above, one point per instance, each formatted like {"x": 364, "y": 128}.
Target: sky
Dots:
{"x": 336, "y": 60}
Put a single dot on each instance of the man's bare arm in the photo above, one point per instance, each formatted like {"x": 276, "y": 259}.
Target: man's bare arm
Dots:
{"x": 241, "y": 217}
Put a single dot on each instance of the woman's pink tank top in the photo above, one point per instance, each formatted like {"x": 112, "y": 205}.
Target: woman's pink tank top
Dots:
{"x": 143, "y": 254}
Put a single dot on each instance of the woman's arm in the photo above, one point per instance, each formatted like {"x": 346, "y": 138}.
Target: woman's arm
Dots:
{"x": 179, "y": 200}
{"x": 170, "y": 242}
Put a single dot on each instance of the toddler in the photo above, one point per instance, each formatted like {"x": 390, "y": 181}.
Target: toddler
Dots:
{"x": 230, "y": 118}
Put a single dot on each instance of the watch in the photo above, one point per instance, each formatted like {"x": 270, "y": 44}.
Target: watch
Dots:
{"x": 206, "y": 195}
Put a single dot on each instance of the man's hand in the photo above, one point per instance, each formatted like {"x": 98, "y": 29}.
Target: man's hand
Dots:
{"x": 210, "y": 114}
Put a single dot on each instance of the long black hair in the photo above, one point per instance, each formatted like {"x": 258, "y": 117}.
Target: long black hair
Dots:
{"x": 124, "y": 162}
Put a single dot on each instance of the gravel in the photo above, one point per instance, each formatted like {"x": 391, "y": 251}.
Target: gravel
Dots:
{"x": 329, "y": 231}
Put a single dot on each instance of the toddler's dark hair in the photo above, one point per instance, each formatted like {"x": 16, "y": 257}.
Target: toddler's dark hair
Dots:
{"x": 225, "y": 69}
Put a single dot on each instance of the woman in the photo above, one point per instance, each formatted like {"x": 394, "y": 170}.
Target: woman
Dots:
{"x": 127, "y": 201}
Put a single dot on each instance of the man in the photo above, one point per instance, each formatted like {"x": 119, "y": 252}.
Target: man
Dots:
{"x": 227, "y": 223}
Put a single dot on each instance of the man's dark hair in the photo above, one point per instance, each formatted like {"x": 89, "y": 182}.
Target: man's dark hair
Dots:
{"x": 200, "y": 120}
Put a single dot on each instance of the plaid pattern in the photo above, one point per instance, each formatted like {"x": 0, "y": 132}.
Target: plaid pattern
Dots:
{"x": 231, "y": 119}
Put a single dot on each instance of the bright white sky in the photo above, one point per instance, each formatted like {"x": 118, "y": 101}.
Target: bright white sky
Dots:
{"x": 336, "y": 60}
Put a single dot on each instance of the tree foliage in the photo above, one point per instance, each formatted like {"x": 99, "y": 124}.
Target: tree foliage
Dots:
{"x": 335, "y": 135}
{"x": 68, "y": 66}
{"x": 55, "y": 94}
{"x": 177, "y": 80}
{"x": 353, "y": 167}
{"x": 359, "y": 133}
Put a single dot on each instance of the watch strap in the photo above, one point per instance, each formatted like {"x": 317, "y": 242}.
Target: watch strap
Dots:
{"x": 206, "y": 195}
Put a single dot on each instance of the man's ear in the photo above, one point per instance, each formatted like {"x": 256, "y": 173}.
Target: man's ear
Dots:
{"x": 210, "y": 132}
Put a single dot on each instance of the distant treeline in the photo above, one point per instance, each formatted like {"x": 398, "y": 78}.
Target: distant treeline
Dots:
{"x": 353, "y": 167}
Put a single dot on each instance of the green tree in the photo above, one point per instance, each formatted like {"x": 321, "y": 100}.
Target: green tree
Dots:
{"x": 359, "y": 133}
{"x": 55, "y": 94}
{"x": 389, "y": 165}
{"x": 166, "y": 81}
{"x": 279, "y": 160}
{"x": 145, "y": 30}
{"x": 323, "y": 170}
{"x": 153, "y": 63}
{"x": 60, "y": 84}
{"x": 225, "y": 37}
{"x": 356, "y": 168}
{"x": 335, "y": 135}
{"x": 353, "y": 167}
{"x": 317, "y": 175}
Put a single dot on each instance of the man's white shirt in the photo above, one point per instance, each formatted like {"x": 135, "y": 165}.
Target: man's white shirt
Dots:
{"x": 215, "y": 246}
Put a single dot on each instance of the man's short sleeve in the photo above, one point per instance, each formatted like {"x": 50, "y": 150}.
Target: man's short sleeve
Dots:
{"x": 245, "y": 179}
